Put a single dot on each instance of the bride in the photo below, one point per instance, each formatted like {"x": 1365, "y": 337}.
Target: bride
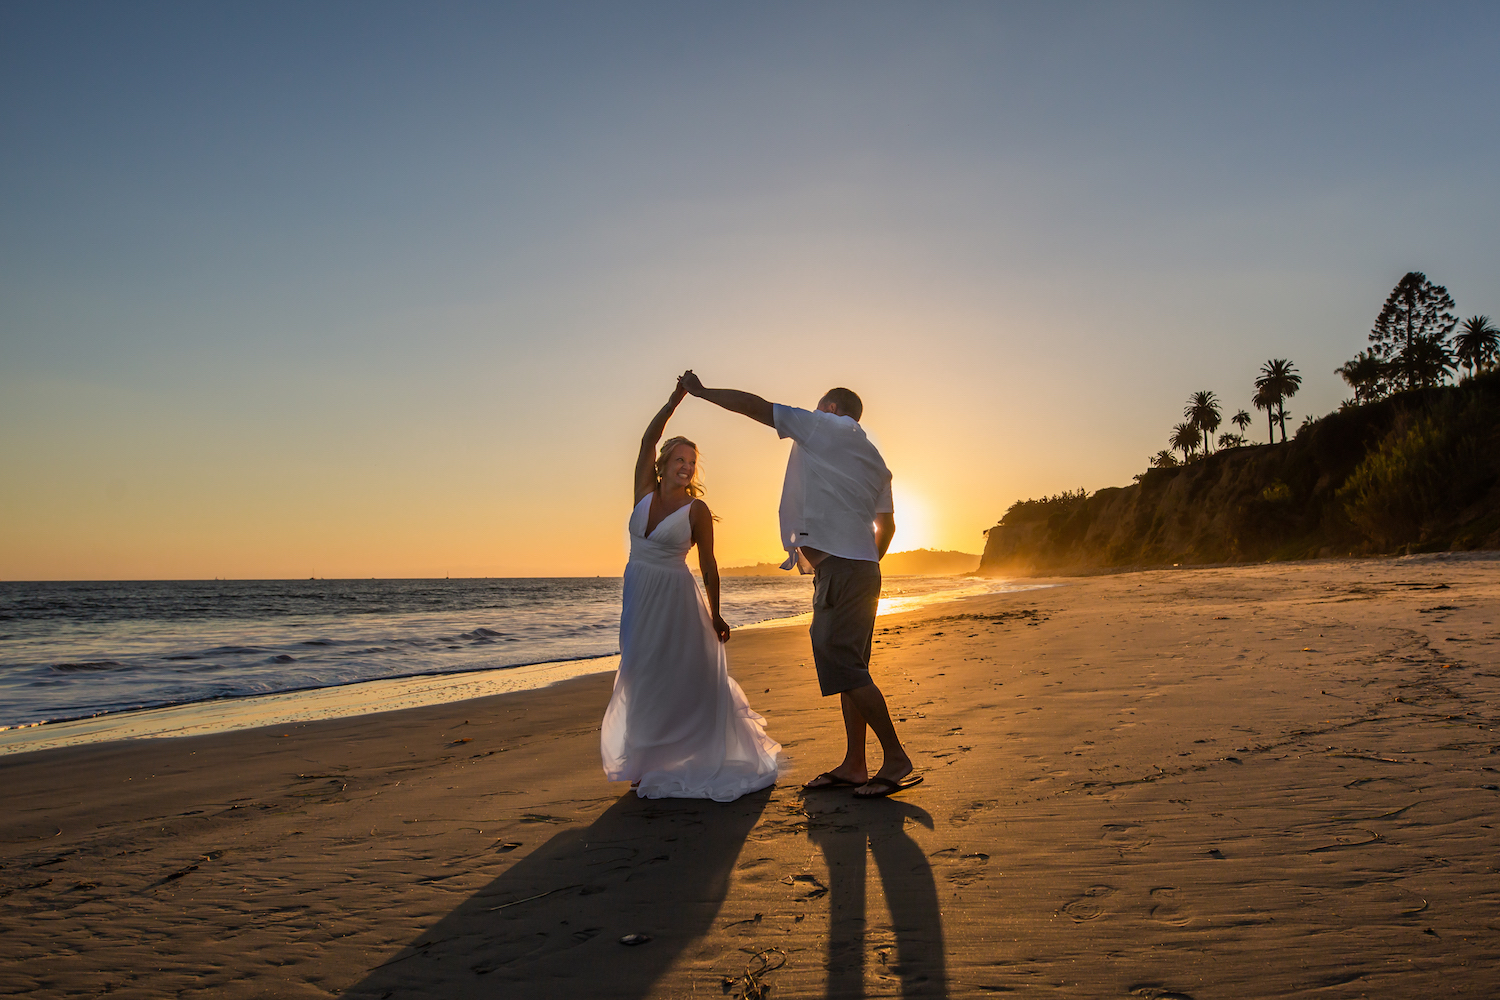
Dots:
{"x": 678, "y": 726}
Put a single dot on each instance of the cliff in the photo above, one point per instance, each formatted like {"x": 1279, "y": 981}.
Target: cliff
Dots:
{"x": 1419, "y": 471}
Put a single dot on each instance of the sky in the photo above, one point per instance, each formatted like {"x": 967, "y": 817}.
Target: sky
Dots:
{"x": 392, "y": 289}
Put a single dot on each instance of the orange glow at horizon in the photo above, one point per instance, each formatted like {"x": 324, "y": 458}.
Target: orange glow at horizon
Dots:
{"x": 915, "y": 525}
{"x": 237, "y": 342}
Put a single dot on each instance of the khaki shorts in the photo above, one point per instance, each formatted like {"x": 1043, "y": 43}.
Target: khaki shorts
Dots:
{"x": 846, "y": 593}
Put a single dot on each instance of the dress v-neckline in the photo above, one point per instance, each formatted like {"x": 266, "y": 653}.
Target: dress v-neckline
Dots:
{"x": 657, "y": 527}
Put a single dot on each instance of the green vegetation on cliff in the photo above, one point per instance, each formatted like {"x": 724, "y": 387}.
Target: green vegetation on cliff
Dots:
{"x": 1416, "y": 471}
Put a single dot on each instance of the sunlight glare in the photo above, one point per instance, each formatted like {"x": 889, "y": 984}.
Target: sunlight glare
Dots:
{"x": 914, "y": 522}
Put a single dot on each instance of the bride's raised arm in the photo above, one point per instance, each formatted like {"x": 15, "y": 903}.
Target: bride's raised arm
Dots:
{"x": 645, "y": 463}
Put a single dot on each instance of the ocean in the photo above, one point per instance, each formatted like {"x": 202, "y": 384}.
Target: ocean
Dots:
{"x": 84, "y": 650}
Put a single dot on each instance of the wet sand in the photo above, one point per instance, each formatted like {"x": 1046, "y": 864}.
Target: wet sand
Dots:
{"x": 1254, "y": 781}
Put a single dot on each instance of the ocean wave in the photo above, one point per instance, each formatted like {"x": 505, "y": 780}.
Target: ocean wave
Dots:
{"x": 84, "y": 650}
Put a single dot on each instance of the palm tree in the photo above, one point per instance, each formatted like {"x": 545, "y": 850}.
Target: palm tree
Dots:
{"x": 1242, "y": 421}
{"x": 1367, "y": 374}
{"x": 1263, "y": 400}
{"x": 1476, "y": 343}
{"x": 1163, "y": 459}
{"x": 1203, "y": 412}
{"x": 1279, "y": 381}
{"x": 1231, "y": 440}
{"x": 1185, "y": 439}
{"x": 1428, "y": 362}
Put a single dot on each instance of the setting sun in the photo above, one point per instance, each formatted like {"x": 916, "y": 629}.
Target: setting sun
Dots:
{"x": 915, "y": 525}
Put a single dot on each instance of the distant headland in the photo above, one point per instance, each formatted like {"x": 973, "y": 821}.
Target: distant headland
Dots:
{"x": 917, "y": 562}
{"x": 1410, "y": 464}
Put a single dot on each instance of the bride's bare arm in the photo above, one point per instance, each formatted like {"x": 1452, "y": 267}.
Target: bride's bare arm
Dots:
{"x": 702, "y": 521}
{"x": 645, "y": 463}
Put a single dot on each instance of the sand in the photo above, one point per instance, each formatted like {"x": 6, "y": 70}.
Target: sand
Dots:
{"x": 1275, "y": 780}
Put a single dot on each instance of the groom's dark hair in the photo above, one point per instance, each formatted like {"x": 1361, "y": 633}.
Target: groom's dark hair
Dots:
{"x": 847, "y": 400}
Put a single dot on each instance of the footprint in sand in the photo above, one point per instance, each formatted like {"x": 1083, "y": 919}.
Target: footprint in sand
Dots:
{"x": 961, "y": 868}
{"x": 966, "y": 813}
{"x": 1165, "y": 909}
{"x": 1090, "y": 905}
{"x": 807, "y": 886}
{"x": 971, "y": 869}
{"x": 1382, "y": 901}
{"x": 758, "y": 870}
{"x": 1152, "y": 992}
{"x": 1125, "y": 837}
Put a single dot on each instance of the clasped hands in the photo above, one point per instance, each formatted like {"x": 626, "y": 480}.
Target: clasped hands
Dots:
{"x": 687, "y": 384}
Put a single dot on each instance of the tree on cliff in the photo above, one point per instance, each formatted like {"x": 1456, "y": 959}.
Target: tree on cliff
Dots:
{"x": 1429, "y": 362}
{"x": 1278, "y": 382}
{"x": 1202, "y": 412}
{"x": 1059, "y": 504}
{"x": 1476, "y": 344}
{"x": 1242, "y": 421}
{"x": 1263, "y": 400}
{"x": 1163, "y": 459}
{"x": 1367, "y": 375}
{"x": 1415, "y": 320}
{"x": 1185, "y": 439}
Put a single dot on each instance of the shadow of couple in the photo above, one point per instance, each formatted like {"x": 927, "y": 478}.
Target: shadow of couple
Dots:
{"x": 551, "y": 924}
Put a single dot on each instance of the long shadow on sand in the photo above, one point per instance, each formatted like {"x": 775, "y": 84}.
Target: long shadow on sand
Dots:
{"x": 847, "y": 836}
{"x": 550, "y": 926}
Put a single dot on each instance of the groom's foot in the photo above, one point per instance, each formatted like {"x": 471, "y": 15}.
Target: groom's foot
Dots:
{"x": 892, "y": 776}
{"x": 839, "y": 777}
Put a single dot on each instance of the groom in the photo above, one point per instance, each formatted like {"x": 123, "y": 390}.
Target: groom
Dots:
{"x": 836, "y": 522}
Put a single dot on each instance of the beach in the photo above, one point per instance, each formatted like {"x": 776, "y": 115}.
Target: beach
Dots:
{"x": 1265, "y": 780}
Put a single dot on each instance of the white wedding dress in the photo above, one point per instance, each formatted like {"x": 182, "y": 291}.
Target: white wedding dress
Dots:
{"x": 677, "y": 722}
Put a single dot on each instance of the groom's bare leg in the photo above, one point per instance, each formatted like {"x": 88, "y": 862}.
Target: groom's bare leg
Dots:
{"x": 855, "y": 767}
{"x": 870, "y": 705}
{"x": 846, "y": 597}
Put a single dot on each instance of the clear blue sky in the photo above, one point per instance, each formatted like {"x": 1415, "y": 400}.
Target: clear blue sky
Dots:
{"x": 391, "y": 289}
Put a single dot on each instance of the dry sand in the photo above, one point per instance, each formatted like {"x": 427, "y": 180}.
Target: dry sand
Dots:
{"x": 1239, "y": 782}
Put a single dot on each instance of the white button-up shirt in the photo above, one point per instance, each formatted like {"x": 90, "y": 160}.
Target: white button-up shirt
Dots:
{"x": 836, "y": 482}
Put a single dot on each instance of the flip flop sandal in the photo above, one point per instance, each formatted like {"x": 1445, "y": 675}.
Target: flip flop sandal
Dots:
{"x": 888, "y": 787}
{"x": 829, "y": 780}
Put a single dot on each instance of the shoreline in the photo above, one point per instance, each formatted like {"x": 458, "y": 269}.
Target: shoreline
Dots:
{"x": 1275, "y": 780}
{"x": 367, "y": 697}
{"x": 222, "y": 715}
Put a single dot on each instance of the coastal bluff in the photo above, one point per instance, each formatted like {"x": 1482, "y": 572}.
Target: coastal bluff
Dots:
{"x": 1417, "y": 472}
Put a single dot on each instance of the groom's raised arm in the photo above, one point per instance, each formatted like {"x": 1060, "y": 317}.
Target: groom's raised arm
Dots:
{"x": 747, "y": 403}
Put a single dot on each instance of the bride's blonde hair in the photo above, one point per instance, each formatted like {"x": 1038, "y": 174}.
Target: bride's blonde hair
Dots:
{"x": 695, "y": 485}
